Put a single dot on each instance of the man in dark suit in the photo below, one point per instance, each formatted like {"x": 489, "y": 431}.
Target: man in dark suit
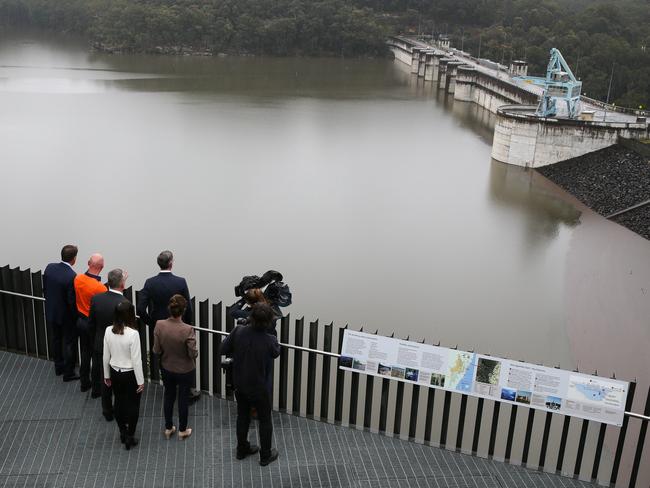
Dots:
{"x": 102, "y": 313}
{"x": 60, "y": 311}
{"x": 154, "y": 299}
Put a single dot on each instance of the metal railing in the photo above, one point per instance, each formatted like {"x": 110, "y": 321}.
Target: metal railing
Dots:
{"x": 549, "y": 442}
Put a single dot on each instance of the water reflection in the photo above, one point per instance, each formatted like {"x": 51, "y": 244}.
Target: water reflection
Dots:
{"x": 528, "y": 192}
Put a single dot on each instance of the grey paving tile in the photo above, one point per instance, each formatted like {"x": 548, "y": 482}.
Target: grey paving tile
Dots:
{"x": 60, "y": 440}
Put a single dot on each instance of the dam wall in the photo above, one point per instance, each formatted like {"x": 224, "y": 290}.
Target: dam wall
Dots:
{"x": 522, "y": 139}
{"x": 456, "y": 76}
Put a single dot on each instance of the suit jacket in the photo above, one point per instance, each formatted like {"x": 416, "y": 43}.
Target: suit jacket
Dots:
{"x": 58, "y": 287}
{"x": 154, "y": 298}
{"x": 102, "y": 312}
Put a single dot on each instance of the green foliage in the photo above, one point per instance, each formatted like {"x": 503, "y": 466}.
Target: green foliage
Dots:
{"x": 592, "y": 34}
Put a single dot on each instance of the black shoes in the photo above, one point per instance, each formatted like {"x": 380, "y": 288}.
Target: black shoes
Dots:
{"x": 130, "y": 442}
{"x": 272, "y": 457}
{"x": 67, "y": 379}
{"x": 241, "y": 454}
{"x": 85, "y": 388}
{"x": 108, "y": 417}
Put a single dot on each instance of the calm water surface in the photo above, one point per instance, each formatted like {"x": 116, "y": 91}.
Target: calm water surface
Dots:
{"x": 372, "y": 193}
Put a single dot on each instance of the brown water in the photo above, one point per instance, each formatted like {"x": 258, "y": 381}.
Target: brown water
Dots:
{"x": 372, "y": 193}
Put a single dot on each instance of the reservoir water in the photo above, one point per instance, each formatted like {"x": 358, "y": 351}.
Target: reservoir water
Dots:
{"x": 373, "y": 194}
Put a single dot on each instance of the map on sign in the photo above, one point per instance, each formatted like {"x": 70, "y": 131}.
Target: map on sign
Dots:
{"x": 595, "y": 390}
{"x": 461, "y": 370}
{"x": 516, "y": 382}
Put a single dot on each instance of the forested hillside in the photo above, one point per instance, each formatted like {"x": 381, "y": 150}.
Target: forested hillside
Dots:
{"x": 594, "y": 35}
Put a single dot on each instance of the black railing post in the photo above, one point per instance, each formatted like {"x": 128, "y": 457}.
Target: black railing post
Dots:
{"x": 230, "y": 325}
{"x": 284, "y": 363}
{"x": 545, "y": 436}
{"x": 340, "y": 382}
{"x": 562, "y": 448}
{"x": 216, "y": 349}
{"x": 383, "y": 407}
{"x": 25, "y": 286}
{"x": 311, "y": 368}
{"x": 354, "y": 396}
{"x": 599, "y": 451}
{"x": 143, "y": 332}
{"x": 493, "y": 428}
{"x": 529, "y": 433}
{"x": 325, "y": 383}
{"x": 461, "y": 423}
{"x": 11, "y": 316}
{"x": 128, "y": 294}
{"x": 399, "y": 404}
{"x": 581, "y": 448}
{"x": 204, "y": 346}
{"x": 4, "y": 323}
{"x": 20, "y": 309}
{"x": 428, "y": 424}
{"x": 445, "y": 419}
{"x": 477, "y": 426}
{"x": 413, "y": 415}
{"x": 297, "y": 366}
{"x": 511, "y": 432}
{"x": 621, "y": 434}
{"x": 640, "y": 443}
{"x": 39, "y": 316}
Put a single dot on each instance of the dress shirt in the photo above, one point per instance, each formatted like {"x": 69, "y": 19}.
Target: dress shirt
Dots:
{"x": 122, "y": 351}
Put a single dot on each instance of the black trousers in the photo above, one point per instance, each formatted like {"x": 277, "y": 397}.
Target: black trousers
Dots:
{"x": 98, "y": 385}
{"x": 262, "y": 403}
{"x": 86, "y": 343}
{"x": 127, "y": 401}
{"x": 172, "y": 381}
{"x": 64, "y": 341}
{"x": 56, "y": 332}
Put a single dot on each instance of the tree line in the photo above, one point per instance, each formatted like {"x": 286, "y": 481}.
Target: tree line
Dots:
{"x": 597, "y": 37}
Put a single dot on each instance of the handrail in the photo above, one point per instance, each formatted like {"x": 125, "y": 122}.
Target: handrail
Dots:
{"x": 218, "y": 332}
{"x": 22, "y": 295}
{"x": 289, "y": 346}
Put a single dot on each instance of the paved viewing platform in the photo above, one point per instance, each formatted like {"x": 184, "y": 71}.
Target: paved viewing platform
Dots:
{"x": 54, "y": 436}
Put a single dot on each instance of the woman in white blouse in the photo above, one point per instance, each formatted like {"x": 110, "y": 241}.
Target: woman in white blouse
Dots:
{"x": 123, "y": 370}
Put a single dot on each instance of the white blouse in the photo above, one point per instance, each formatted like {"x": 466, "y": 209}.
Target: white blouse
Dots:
{"x": 122, "y": 352}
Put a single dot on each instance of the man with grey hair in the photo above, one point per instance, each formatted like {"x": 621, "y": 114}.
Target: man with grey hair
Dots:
{"x": 102, "y": 312}
{"x": 154, "y": 297}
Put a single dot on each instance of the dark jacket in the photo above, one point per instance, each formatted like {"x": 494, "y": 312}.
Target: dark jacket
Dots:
{"x": 58, "y": 287}
{"x": 154, "y": 298}
{"x": 102, "y": 312}
{"x": 252, "y": 351}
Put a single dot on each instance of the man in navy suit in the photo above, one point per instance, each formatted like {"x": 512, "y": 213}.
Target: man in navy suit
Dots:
{"x": 60, "y": 311}
{"x": 154, "y": 298}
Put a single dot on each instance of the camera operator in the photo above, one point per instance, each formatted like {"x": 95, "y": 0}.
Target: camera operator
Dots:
{"x": 241, "y": 310}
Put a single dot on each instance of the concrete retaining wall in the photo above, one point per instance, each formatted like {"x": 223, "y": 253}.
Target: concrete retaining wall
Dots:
{"x": 525, "y": 140}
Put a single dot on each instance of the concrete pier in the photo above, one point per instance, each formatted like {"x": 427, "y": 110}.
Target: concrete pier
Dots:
{"x": 523, "y": 139}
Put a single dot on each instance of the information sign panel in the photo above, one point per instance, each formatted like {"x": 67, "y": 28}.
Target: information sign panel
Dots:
{"x": 550, "y": 389}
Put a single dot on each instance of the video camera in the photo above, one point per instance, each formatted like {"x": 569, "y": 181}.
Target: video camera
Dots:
{"x": 254, "y": 281}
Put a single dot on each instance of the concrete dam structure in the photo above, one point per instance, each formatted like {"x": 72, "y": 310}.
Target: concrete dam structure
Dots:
{"x": 521, "y": 137}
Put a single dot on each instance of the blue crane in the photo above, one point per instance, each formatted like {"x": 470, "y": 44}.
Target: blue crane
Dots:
{"x": 559, "y": 84}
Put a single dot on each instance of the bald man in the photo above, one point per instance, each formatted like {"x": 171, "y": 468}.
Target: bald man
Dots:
{"x": 86, "y": 286}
